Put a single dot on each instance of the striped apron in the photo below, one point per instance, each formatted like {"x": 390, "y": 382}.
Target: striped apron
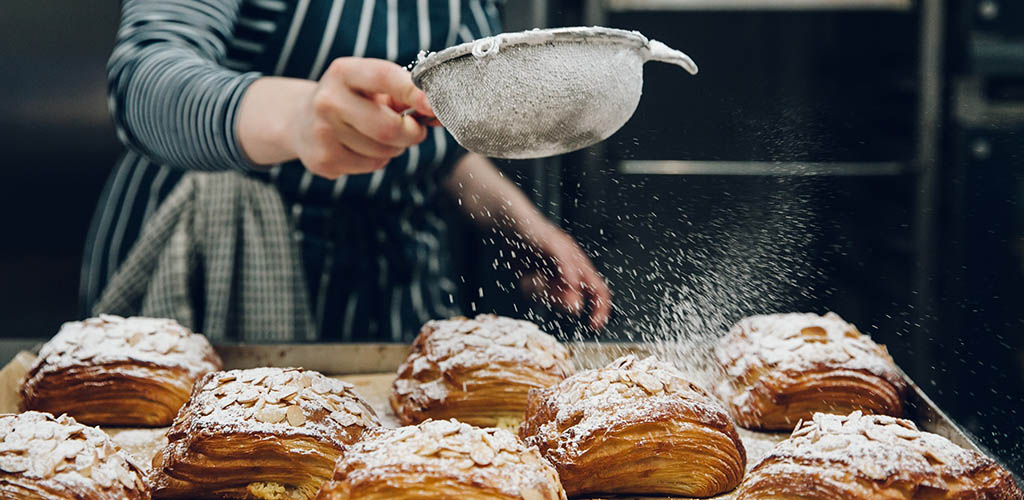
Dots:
{"x": 371, "y": 249}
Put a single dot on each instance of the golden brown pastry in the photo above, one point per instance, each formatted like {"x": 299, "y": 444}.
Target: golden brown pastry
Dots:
{"x": 876, "y": 457}
{"x": 47, "y": 458}
{"x": 268, "y": 433}
{"x": 476, "y": 370}
{"x": 442, "y": 459}
{"x": 118, "y": 371}
{"x": 782, "y": 368}
{"x": 635, "y": 427}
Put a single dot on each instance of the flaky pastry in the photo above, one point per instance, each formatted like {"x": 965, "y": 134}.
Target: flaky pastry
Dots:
{"x": 477, "y": 370}
{"x": 635, "y": 427}
{"x": 873, "y": 457}
{"x": 267, "y": 433}
{"x": 782, "y": 368}
{"x": 118, "y": 371}
{"x": 442, "y": 459}
{"x": 47, "y": 458}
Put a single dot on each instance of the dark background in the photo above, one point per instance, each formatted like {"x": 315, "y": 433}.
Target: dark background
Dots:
{"x": 792, "y": 92}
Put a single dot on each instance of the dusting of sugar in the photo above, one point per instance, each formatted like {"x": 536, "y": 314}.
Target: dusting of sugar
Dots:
{"x": 489, "y": 458}
{"x": 764, "y": 346}
{"x": 628, "y": 391}
{"x": 282, "y": 402}
{"x": 141, "y": 444}
{"x": 110, "y": 339}
{"x": 448, "y": 351}
{"x": 875, "y": 448}
{"x": 59, "y": 454}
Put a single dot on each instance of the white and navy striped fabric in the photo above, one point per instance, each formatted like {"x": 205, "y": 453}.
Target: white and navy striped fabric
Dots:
{"x": 371, "y": 245}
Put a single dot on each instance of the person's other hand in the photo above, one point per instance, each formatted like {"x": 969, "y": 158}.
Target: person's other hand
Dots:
{"x": 352, "y": 122}
{"x": 565, "y": 277}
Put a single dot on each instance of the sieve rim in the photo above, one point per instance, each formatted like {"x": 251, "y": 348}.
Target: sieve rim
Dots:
{"x": 589, "y": 34}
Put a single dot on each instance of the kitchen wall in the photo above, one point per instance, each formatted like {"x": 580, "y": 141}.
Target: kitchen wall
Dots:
{"x": 57, "y": 147}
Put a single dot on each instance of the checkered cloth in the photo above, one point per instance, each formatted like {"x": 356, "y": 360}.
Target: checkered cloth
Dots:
{"x": 217, "y": 256}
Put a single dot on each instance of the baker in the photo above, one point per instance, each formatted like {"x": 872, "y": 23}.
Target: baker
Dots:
{"x": 273, "y": 190}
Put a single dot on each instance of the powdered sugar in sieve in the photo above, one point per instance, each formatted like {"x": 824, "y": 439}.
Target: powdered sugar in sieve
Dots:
{"x": 540, "y": 93}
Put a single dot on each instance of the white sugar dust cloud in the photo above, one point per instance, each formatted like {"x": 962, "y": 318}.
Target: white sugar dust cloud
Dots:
{"x": 747, "y": 254}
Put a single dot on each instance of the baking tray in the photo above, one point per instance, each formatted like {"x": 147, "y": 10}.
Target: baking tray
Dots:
{"x": 371, "y": 368}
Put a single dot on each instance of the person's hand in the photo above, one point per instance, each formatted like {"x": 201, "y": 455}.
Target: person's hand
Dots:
{"x": 352, "y": 121}
{"x": 565, "y": 277}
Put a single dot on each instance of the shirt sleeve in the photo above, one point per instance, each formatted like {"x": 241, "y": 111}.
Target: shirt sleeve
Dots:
{"x": 170, "y": 97}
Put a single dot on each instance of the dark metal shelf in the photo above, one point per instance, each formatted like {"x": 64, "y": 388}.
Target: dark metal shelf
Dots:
{"x": 763, "y": 168}
{"x": 791, "y": 5}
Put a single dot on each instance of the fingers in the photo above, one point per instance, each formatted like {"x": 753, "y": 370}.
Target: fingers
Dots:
{"x": 362, "y": 144}
{"x": 332, "y": 159}
{"x": 350, "y": 92}
{"x": 428, "y": 120}
{"x": 599, "y": 297}
{"x": 346, "y": 110}
{"x": 377, "y": 76}
{"x": 379, "y": 122}
{"x": 579, "y": 285}
{"x": 569, "y": 288}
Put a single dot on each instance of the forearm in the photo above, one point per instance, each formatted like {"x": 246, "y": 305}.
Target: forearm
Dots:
{"x": 492, "y": 201}
{"x": 267, "y": 118}
{"x": 170, "y": 98}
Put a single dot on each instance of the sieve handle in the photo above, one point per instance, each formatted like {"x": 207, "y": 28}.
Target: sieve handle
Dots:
{"x": 657, "y": 51}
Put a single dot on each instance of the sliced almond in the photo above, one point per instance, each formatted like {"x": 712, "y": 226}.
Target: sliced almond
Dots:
{"x": 352, "y": 407}
{"x": 102, "y": 477}
{"x": 598, "y": 387}
{"x": 305, "y": 381}
{"x": 258, "y": 378}
{"x": 43, "y": 446}
{"x": 111, "y": 318}
{"x": 903, "y": 432}
{"x": 70, "y": 449}
{"x": 344, "y": 418}
{"x": 287, "y": 392}
{"x": 649, "y": 382}
{"x": 135, "y": 338}
{"x": 545, "y": 360}
{"x": 282, "y": 379}
{"x": 295, "y": 416}
{"x": 482, "y": 454}
{"x": 271, "y": 414}
{"x": 13, "y": 464}
{"x": 321, "y": 386}
{"x": 127, "y": 480}
{"x": 428, "y": 448}
{"x": 84, "y": 460}
{"x": 248, "y": 396}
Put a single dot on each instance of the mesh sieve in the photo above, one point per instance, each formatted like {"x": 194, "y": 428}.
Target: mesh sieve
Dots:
{"x": 540, "y": 93}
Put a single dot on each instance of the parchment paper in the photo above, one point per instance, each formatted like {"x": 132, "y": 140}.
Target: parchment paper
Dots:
{"x": 374, "y": 388}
